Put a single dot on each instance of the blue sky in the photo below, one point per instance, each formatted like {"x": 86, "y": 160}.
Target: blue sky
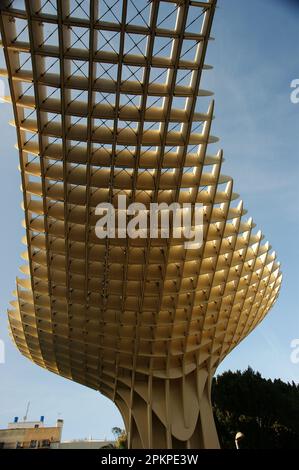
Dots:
{"x": 255, "y": 58}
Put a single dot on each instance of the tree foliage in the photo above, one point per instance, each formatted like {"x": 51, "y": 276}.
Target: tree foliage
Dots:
{"x": 265, "y": 411}
{"x": 120, "y": 436}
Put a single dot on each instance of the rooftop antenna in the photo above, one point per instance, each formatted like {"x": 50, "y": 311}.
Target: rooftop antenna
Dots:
{"x": 27, "y": 410}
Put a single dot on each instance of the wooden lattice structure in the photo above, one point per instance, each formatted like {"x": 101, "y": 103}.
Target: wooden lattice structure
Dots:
{"x": 107, "y": 101}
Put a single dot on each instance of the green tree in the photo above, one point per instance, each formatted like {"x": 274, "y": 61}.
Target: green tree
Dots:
{"x": 265, "y": 411}
{"x": 120, "y": 438}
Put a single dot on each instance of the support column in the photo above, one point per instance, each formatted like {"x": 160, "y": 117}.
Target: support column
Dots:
{"x": 176, "y": 414}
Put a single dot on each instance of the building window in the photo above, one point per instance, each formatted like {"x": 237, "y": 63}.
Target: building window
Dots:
{"x": 33, "y": 444}
{"x": 19, "y": 445}
{"x": 46, "y": 443}
{"x": 36, "y": 426}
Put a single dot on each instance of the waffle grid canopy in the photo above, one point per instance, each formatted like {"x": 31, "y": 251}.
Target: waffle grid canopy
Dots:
{"x": 107, "y": 101}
